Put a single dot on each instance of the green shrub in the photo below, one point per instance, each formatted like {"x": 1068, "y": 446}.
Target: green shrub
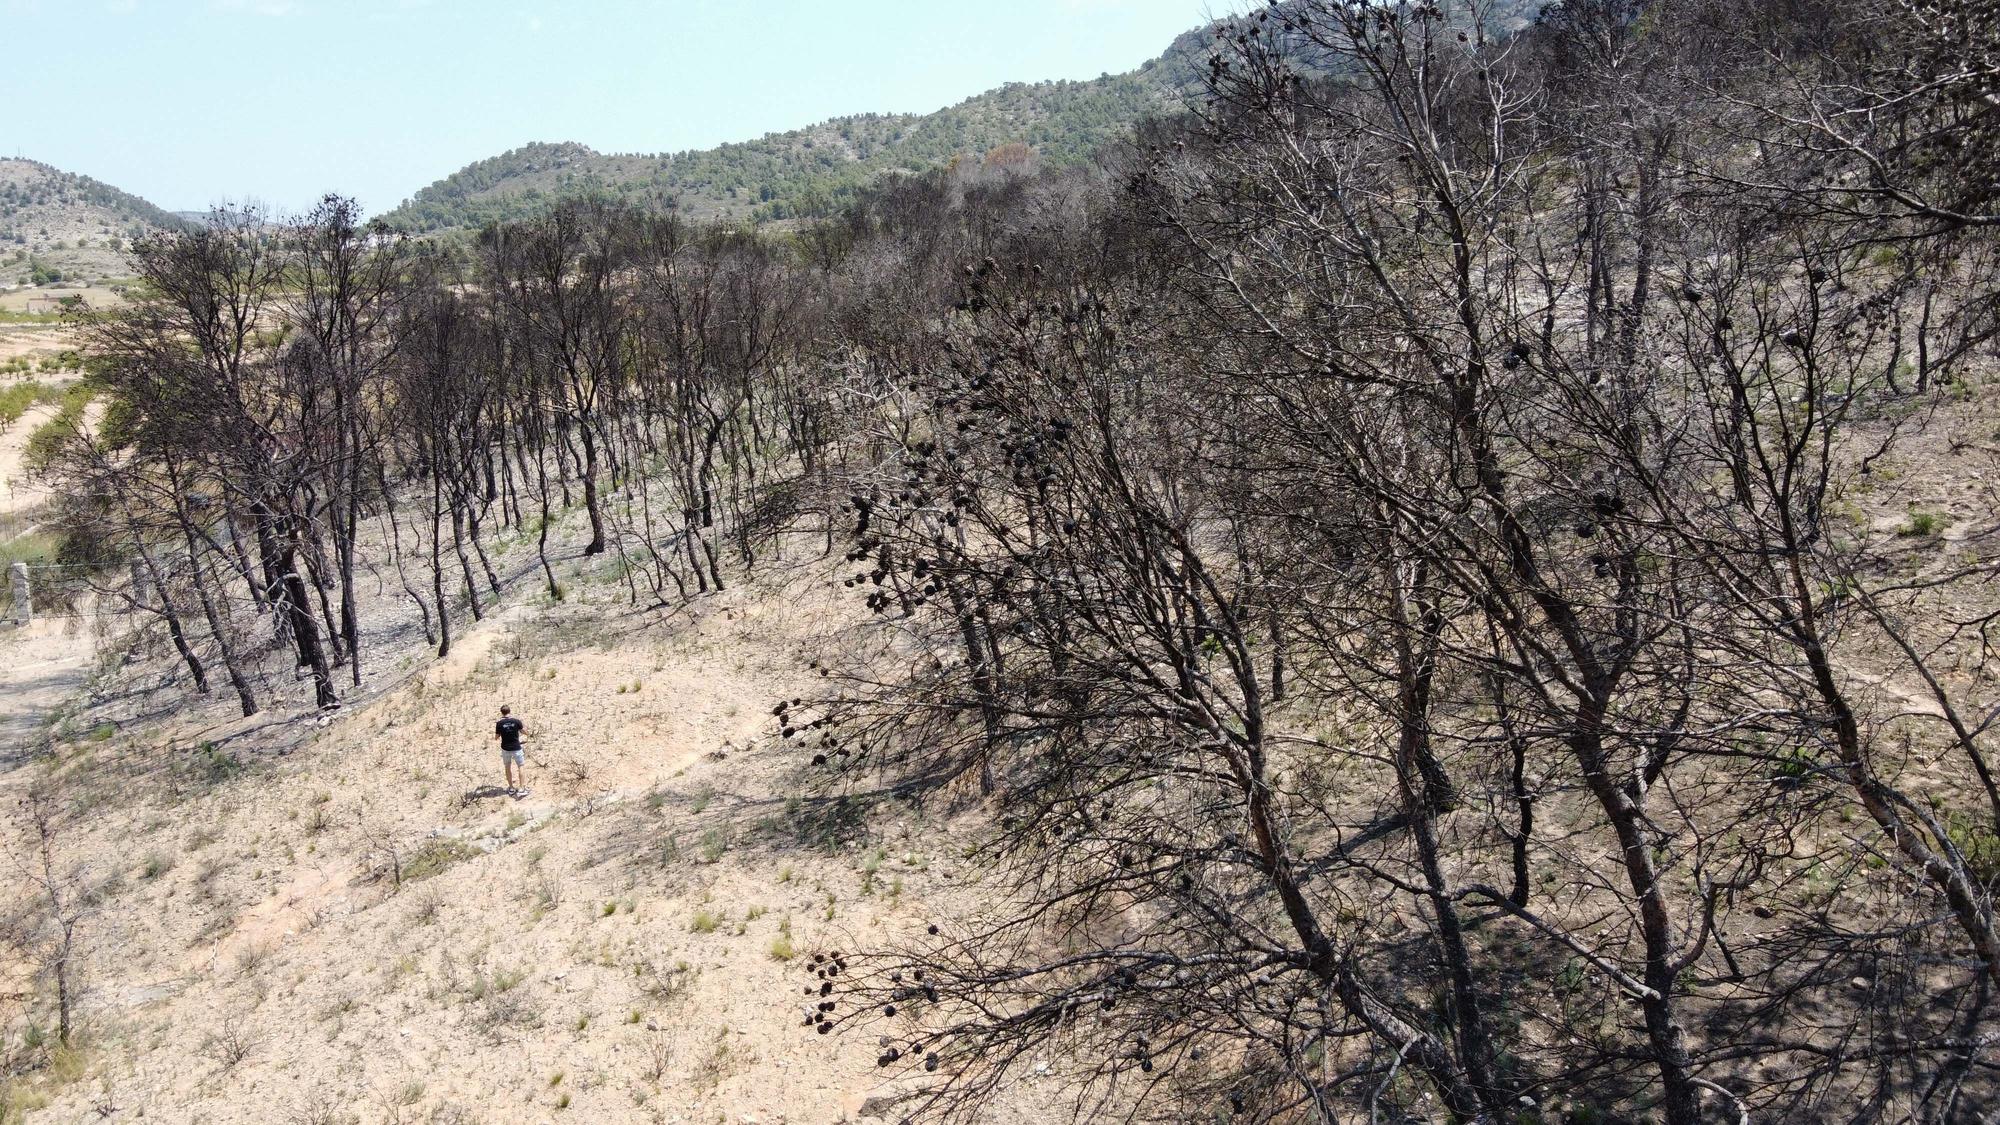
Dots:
{"x": 19, "y": 398}
{"x": 1923, "y": 525}
{"x": 46, "y": 442}
{"x": 211, "y": 765}
{"x": 434, "y": 856}
{"x": 1977, "y": 843}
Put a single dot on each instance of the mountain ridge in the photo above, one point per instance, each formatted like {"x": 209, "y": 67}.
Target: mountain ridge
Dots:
{"x": 808, "y": 170}
{"x": 811, "y": 170}
{"x": 64, "y": 226}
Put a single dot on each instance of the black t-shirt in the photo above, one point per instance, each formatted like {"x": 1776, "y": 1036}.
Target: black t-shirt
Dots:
{"x": 509, "y": 730}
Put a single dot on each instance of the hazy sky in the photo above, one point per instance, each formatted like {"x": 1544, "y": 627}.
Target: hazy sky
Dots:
{"x": 187, "y": 102}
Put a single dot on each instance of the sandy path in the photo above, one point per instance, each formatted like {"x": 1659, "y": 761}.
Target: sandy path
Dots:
{"x": 41, "y": 666}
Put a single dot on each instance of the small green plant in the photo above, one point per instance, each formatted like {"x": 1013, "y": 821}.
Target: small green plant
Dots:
{"x": 1570, "y": 977}
{"x": 1795, "y": 767}
{"x": 1923, "y": 525}
{"x": 211, "y": 765}
{"x": 502, "y": 981}
{"x": 704, "y": 922}
{"x": 1977, "y": 843}
{"x": 434, "y": 857}
{"x": 156, "y": 864}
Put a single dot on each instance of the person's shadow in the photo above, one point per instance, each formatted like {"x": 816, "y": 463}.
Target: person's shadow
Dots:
{"x": 483, "y": 792}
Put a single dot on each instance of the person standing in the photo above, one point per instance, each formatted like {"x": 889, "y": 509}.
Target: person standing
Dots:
{"x": 512, "y": 758}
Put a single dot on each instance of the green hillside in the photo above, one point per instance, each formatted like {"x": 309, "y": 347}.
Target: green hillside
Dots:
{"x": 812, "y": 170}
{"x": 805, "y": 171}
{"x": 57, "y": 225}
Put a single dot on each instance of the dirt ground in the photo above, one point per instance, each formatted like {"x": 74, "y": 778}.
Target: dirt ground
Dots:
{"x": 627, "y": 942}
{"x": 97, "y": 296}
{"x": 31, "y": 340}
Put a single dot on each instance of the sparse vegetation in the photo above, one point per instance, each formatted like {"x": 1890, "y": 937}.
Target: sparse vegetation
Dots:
{"x": 1447, "y": 578}
{"x": 1923, "y": 525}
{"x": 434, "y": 856}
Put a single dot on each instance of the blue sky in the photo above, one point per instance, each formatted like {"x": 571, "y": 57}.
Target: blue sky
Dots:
{"x": 189, "y": 102}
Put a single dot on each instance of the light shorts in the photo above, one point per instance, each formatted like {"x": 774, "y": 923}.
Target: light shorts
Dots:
{"x": 514, "y": 757}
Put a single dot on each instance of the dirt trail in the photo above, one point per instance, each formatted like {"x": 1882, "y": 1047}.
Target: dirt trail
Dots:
{"x": 41, "y": 667}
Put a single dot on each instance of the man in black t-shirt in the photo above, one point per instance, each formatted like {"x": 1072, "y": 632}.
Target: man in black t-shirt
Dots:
{"x": 512, "y": 757}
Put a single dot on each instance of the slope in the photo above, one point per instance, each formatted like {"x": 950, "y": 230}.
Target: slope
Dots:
{"x": 60, "y": 226}
{"x": 812, "y": 170}
{"x": 343, "y": 918}
{"x": 809, "y": 170}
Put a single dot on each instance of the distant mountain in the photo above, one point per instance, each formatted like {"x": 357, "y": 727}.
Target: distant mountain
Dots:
{"x": 810, "y": 170}
{"x": 55, "y": 223}
{"x": 806, "y": 170}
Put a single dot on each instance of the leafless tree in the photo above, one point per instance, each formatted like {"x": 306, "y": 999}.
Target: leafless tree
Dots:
{"x": 52, "y": 929}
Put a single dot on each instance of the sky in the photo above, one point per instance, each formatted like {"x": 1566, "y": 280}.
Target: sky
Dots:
{"x": 193, "y": 102}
